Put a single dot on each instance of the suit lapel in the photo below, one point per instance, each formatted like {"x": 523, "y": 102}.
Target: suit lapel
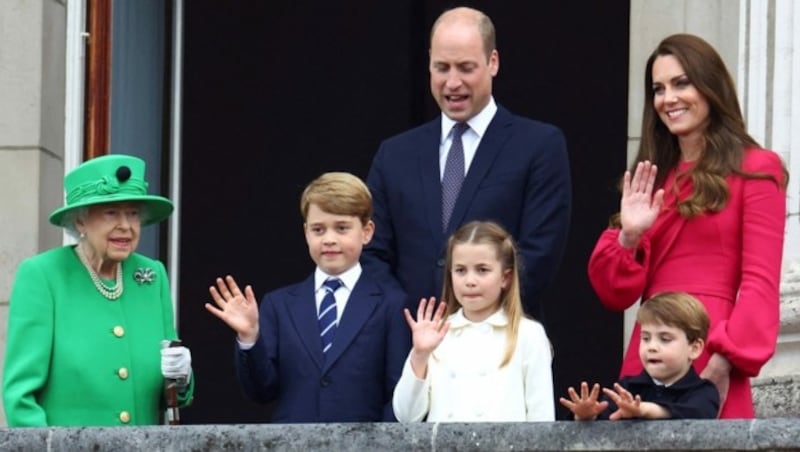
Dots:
{"x": 302, "y": 308}
{"x": 431, "y": 192}
{"x": 493, "y": 140}
{"x": 362, "y": 302}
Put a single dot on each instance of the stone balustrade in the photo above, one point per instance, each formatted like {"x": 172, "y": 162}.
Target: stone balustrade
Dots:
{"x": 707, "y": 435}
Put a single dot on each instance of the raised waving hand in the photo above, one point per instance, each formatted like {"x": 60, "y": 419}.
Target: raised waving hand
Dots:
{"x": 427, "y": 332}
{"x": 585, "y": 406}
{"x": 639, "y": 207}
{"x": 238, "y": 310}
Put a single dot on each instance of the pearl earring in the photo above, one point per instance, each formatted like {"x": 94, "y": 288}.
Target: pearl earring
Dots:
{"x": 83, "y": 235}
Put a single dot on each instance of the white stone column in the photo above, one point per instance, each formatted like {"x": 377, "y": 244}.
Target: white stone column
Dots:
{"x": 769, "y": 88}
{"x": 770, "y": 43}
{"x": 31, "y": 135}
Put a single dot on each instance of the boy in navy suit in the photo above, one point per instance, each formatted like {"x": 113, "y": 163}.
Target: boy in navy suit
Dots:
{"x": 330, "y": 348}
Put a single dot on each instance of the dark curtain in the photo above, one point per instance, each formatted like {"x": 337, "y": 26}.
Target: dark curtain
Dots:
{"x": 277, "y": 92}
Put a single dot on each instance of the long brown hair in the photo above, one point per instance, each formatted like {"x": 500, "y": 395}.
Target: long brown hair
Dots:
{"x": 492, "y": 234}
{"x": 724, "y": 139}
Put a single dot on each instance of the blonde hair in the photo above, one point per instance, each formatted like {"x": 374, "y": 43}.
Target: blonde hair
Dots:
{"x": 338, "y": 193}
{"x": 679, "y": 310}
{"x": 492, "y": 234}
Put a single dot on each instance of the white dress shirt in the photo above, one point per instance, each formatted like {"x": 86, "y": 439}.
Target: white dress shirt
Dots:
{"x": 349, "y": 279}
{"x": 470, "y": 139}
{"x": 465, "y": 384}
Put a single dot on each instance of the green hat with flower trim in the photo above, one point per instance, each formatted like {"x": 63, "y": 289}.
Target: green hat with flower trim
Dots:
{"x": 111, "y": 178}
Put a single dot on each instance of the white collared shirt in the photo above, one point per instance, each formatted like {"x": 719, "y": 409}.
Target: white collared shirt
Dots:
{"x": 470, "y": 139}
{"x": 342, "y": 294}
{"x": 464, "y": 382}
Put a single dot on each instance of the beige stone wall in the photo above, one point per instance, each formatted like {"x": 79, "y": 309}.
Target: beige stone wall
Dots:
{"x": 32, "y": 63}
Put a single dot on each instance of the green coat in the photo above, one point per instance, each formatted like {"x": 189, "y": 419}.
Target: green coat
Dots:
{"x": 76, "y": 358}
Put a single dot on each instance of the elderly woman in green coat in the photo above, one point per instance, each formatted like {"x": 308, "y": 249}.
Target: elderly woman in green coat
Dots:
{"x": 86, "y": 322}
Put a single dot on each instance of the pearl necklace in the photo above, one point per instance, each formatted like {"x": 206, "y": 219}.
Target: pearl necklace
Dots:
{"x": 111, "y": 293}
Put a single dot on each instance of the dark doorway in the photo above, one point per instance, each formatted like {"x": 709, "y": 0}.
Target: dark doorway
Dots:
{"x": 277, "y": 92}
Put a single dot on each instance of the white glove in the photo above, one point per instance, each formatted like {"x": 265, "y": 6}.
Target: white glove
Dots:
{"x": 176, "y": 363}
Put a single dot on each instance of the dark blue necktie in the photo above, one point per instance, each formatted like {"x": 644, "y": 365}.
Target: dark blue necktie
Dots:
{"x": 327, "y": 314}
{"x": 453, "y": 173}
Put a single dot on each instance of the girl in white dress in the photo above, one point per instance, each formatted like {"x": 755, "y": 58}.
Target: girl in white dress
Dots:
{"x": 475, "y": 356}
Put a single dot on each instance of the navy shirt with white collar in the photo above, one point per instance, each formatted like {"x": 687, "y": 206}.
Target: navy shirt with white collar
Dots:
{"x": 691, "y": 397}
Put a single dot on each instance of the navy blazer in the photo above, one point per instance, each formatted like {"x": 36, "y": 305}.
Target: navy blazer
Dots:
{"x": 691, "y": 397}
{"x": 354, "y": 382}
{"x": 518, "y": 178}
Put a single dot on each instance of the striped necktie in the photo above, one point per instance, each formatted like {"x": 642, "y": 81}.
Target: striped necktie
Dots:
{"x": 327, "y": 314}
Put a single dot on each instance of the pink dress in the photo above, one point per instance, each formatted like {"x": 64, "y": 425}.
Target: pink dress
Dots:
{"x": 729, "y": 260}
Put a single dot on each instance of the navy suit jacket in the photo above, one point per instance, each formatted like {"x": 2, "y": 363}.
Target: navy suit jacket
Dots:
{"x": 354, "y": 382}
{"x": 691, "y": 397}
{"x": 518, "y": 178}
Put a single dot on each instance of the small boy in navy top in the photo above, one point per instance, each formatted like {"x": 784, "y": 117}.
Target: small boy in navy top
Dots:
{"x": 330, "y": 348}
{"x": 674, "y": 328}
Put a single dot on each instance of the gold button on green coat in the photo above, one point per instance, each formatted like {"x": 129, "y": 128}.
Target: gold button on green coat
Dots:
{"x": 125, "y": 417}
{"x": 119, "y": 331}
{"x": 123, "y": 373}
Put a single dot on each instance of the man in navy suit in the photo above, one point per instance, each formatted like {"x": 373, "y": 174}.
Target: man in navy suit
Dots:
{"x": 516, "y": 172}
{"x": 330, "y": 348}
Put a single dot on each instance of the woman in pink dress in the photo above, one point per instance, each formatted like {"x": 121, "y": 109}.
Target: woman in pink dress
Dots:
{"x": 703, "y": 211}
